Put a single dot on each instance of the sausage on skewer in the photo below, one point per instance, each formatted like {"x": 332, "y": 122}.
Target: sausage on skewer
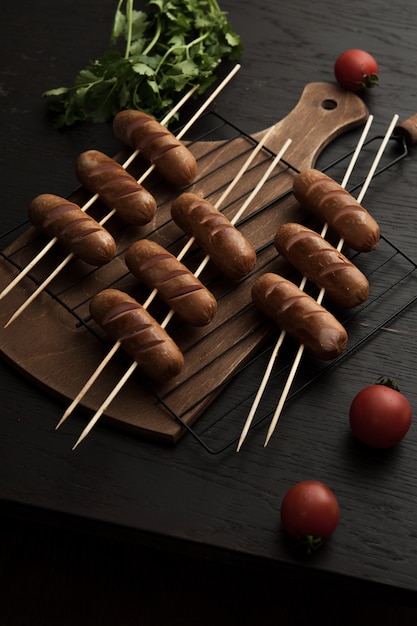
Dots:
{"x": 228, "y": 249}
{"x": 144, "y": 340}
{"x": 304, "y": 319}
{"x": 333, "y": 205}
{"x": 75, "y": 230}
{"x": 116, "y": 188}
{"x": 157, "y": 144}
{"x": 322, "y": 264}
{"x": 175, "y": 283}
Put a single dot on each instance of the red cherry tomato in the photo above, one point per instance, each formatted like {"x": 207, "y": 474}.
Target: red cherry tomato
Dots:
{"x": 310, "y": 512}
{"x": 356, "y": 70}
{"x": 380, "y": 416}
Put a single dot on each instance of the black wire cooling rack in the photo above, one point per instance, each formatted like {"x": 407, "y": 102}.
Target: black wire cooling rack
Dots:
{"x": 219, "y": 424}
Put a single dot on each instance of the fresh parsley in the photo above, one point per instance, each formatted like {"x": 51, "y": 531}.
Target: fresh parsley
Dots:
{"x": 170, "y": 47}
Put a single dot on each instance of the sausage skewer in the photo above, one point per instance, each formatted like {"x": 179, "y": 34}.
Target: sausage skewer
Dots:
{"x": 143, "y": 338}
{"x": 297, "y": 359}
{"x": 117, "y": 345}
{"x": 122, "y": 127}
{"x": 192, "y": 120}
{"x": 282, "y": 335}
{"x": 88, "y": 204}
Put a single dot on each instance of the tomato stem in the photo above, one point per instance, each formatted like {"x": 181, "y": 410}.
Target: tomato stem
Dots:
{"x": 309, "y": 543}
{"x": 371, "y": 80}
{"x": 388, "y": 382}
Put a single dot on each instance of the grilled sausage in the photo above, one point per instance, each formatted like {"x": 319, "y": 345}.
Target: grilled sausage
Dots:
{"x": 176, "y": 284}
{"x": 300, "y": 315}
{"x": 228, "y": 249}
{"x": 116, "y": 188}
{"x": 157, "y": 144}
{"x": 144, "y": 340}
{"x": 333, "y": 205}
{"x": 321, "y": 263}
{"x": 75, "y": 230}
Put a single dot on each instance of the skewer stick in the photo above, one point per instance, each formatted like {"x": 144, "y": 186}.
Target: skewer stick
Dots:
{"x": 168, "y": 317}
{"x": 111, "y": 213}
{"x": 255, "y": 191}
{"x": 322, "y": 291}
{"x": 40, "y": 288}
{"x": 153, "y": 294}
{"x": 89, "y": 203}
{"x": 106, "y": 403}
{"x": 89, "y": 383}
{"x": 274, "y": 354}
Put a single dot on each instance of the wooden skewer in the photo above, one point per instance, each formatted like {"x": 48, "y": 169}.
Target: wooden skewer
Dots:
{"x": 255, "y": 191}
{"x": 88, "y": 204}
{"x": 153, "y": 294}
{"x": 274, "y": 354}
{"x": 132, "y": 368}
{"x": 114, "y": 392}
{"x": 106, "y": 403}
{"x": 111, "y": 213}
{"x": 293, "y": 371}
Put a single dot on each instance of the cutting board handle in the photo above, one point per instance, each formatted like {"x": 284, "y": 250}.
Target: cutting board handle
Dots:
{"x": 331, "y": 109}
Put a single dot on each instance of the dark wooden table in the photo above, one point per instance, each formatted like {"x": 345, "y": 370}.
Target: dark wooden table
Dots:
{"x": 133, "y": 528}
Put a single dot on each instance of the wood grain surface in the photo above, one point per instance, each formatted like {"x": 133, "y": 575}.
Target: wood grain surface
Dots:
{"x": 217, "y": 507}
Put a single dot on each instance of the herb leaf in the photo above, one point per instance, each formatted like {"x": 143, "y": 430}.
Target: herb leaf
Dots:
{"x": 173, "y": 46}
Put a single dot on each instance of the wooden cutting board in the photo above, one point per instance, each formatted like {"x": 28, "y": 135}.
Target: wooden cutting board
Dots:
{"x": 59, "y": 347}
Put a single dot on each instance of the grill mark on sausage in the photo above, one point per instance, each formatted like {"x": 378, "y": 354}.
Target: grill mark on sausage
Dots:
{"x": 56, "y": 213}
{"x": 71, "y": 229}
{"x": 117, "y": 310}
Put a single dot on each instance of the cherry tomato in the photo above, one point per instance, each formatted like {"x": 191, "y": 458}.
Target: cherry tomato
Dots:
{"x": 356, "y": 70}
{"x": 310, "y": 512}
{"x": 380, "y": 415}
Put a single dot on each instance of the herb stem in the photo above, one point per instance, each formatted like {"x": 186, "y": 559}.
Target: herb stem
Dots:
{"x": 155, "y": 38}
{"x": 185, "y": 47}
{"x": 129, "y": 21}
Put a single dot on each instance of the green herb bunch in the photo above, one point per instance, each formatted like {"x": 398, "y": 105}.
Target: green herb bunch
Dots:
{"x": 169, "y": 48}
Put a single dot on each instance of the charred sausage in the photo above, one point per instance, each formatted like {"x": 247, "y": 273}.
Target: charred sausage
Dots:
{"x": 144, "y": 340}
{"x": 176, "y": 284}
{"x": 75, "y": 230}
{"x": 116, "y": 188}
{"x": 321, "y": 263}
{"x": 157, "y": 144}
{"x": 228, "y": 249}
{"x": 305, "y": 320}
{"x": 333, "y": 205}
